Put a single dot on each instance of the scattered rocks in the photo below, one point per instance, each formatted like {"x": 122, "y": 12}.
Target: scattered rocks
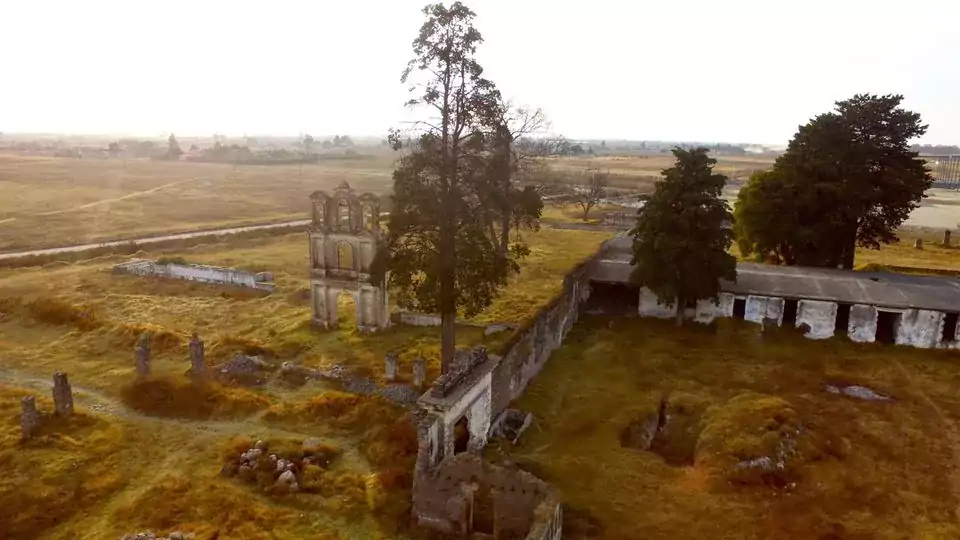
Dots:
{"x": 243, "y": 369}
{"x": 281, "y": 471}
{"x": 858, "y": 392}
{"x": 287, "y": 480}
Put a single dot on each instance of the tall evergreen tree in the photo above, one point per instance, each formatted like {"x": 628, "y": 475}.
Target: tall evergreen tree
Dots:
{"x": 848, "y": 178}
{"x": 680, "y": 240}
{"x": 442, "y": 254}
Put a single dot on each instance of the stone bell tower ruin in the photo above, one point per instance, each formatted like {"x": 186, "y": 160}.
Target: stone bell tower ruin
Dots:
{"x": 344, "y": 238}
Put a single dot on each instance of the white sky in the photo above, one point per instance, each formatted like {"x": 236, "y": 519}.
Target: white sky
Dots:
{"x": 745, "y": 71}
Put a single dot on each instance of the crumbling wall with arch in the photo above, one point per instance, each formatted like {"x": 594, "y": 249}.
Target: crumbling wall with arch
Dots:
{"x": 344, "y": 239}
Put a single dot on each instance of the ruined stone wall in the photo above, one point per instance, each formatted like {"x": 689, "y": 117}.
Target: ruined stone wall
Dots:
{"x": 443, "y": 500}
{"x": 821, "y": 317}
{"x": 862, "y": 327}
{"x": 760, "y": 307}
{"x": 708, "y": 310}
{"x": 528, "y": 349}
{"x": 920, "y": 328}
{"x": 650, "y": 306}
{"x": 195, "y": 272}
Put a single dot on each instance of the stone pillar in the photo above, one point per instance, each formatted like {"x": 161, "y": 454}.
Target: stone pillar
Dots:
{"x": 391, "y": 366}
{"x": 946, "y": 238}
{"x": 469, "y": 491}
{"x": 62, "y": 395}
{"x": 419, "y": 372}
{"x": 197, "y": 365}
{"x": 142, "y": 352}
{"x": 29, "y": 417}
{"x": 918, "y": 243}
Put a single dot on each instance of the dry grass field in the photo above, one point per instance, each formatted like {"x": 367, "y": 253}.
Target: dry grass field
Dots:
{"x": 856, "y": 470}
{"x": 51, "y": 202}
{"x": 146, "y": 455}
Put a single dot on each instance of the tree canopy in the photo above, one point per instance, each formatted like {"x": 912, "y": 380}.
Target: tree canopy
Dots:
{"x": 680, "y": 241}
{"x": 848, "y": 178}
{"x": 454, "y": 200}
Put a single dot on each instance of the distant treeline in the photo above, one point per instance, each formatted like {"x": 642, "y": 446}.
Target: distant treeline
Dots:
{"x": 936, "y": 149}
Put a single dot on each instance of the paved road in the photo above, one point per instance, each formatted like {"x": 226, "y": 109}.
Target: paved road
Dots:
{"x": 154, "y": 239}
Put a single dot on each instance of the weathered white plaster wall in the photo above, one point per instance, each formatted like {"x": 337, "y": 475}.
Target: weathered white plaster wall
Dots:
{"x": 476, "y": 406}
{"x": 820, "y": 316}
{"x": 707, "y": 310}
{"x": 758, "y": 307}
{"x": 418, "y": 319}
{"x": 651, "y": 307}
{"x": 920, "y": 328}
{"x": 191, "y": 272}
{"x": 863, "y": 323}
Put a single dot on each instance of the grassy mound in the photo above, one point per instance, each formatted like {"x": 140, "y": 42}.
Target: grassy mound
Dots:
{"x": 180, "y": 398}
{"x": 756, "y": 439}
{"x": 52, "y": 311}
{"x": 69, "y": 468}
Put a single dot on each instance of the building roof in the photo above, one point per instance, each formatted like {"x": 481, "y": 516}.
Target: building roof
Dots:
{"x": 880, "y": 289}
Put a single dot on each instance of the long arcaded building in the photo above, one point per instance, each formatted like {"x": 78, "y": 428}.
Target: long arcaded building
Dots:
{"x": 921, "y": 311}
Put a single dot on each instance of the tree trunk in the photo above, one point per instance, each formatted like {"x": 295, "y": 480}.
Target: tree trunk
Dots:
{"x": 448, "y": 342}
{"x": 447, "y": 244}
{"x": 849, "y": 249}
{"x": 680, "y": 309}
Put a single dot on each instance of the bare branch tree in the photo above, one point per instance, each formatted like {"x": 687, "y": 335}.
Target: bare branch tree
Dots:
{"x": 591, "y": 190}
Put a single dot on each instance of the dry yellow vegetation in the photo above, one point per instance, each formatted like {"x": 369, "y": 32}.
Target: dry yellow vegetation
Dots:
{"x": 860, "y": 469}
{"x": 146, "y": 455}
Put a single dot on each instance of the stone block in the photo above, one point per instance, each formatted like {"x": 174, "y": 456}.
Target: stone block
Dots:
{"x": 29, "y": 417}
{"x": 391, "y": 366}
{"x": 62, "y": 395}
{"x": 419, "y": 372}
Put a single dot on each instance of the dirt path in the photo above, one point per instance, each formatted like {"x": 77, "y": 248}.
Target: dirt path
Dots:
{"x": 104, "y": 405}
{"x": 154, "y": 239}
{"x": 116, "y": 199}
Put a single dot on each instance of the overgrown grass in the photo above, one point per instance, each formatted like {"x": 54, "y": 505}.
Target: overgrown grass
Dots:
{"x": 871, "y": 469}
{"x": 180, "y": 398}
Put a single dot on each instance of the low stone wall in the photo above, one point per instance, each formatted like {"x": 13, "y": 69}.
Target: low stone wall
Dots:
{"x": 446, "y": 486}
{"x": 417, "y": 319}
{"x": 196, "y": 272}
{"x": 527, "y": 350}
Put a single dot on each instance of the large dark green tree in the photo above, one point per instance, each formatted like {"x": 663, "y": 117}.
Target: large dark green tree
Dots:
{"x": 681, "y": 240}
{"x": 445, "y": 228}
{"x": 849, "y": 178}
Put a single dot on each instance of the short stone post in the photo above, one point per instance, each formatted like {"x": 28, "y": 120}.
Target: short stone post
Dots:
{"x": 198, "y": 367}
{"x": 918, "y": 243}
{"x": 391, "y": 365}
{"x": 419, "y": 372}
{"x": 29, "y": 417}
{"x": 62, "y": 395}
{"x": 946, "y": 238}
{"x": 142, "y": 352}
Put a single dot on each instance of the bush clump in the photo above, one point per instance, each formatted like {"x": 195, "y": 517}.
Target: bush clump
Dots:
{"x": 168, "y": 397}
{"x": 756, "y": 439}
